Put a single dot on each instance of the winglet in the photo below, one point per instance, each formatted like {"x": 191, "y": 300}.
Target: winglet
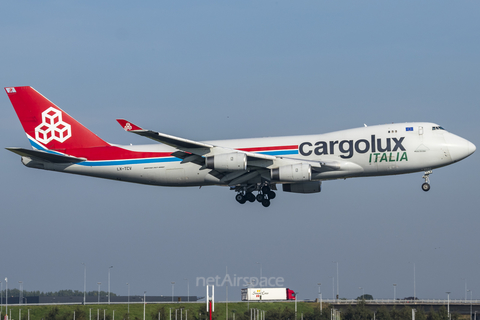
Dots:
{"x": 128, "y": 126}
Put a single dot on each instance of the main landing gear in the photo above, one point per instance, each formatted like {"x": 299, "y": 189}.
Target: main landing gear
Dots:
{"x": 264, "y": 195}
{"x": 426, "y": 184}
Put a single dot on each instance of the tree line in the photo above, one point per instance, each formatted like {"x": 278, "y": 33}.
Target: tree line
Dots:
{"x": 60, "y": 293}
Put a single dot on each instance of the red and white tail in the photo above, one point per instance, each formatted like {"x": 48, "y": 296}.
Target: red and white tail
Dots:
{"x": 46, "y": 125}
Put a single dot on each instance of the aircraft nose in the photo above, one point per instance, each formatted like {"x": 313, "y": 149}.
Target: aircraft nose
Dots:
{"x": 459, "y": 148}
{"x": 471, "y": 148}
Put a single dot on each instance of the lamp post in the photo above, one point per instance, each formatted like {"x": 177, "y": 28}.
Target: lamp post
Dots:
{"x": 109, "y": 283}
{"x": 144, "y": 303}
{"x": 470, "y": 303}
{"x": 333, "y": 288}
{"x": 248, "y": 297}
{"x": 84, "y": 283}
{"x": 188, "y": 289}
{"x": 394, "y": 292}
{"x": 296, "y": 298}
{"x": 363, "y": 295}
{"x": 20, "y": 293}
{"x": 128, "y": 298}
{"x": 320, "y": 296}
{"x": 414, "y": 284}
{"x": 448, "y": 304}
{"x": 98, "y": 296}
{"x": 226, "y": 294}
{"x": 173, "y": 289}
{"x": 6, "y": 298}
{"x": 260, "y": 280}
{"x": 338, "y": 292}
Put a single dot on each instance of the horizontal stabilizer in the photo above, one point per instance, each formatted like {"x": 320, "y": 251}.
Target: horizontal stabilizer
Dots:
{"x": 46, "y": 156}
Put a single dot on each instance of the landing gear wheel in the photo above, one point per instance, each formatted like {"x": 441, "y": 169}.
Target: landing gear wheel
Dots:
{"x": 425, "y": 186}
{"x": 271, "y": 195}
{"x": 265, "y": 189}
{"x": 250, "y": 197}
{"x": 266, "y": 203}
{"x": 260, "y": 197}
{"x": 240, "y": 198}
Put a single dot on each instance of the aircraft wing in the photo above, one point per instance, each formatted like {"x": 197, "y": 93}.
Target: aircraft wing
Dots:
{"x": 190, "y": 146}
{"x": 199, "y": 152}
{"x": 176, "y": 142}
{"x": 45, "y": 156}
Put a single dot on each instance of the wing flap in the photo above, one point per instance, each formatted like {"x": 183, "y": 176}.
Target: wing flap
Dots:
{"x": 244, "y": 178}
{"x": 327, "y": 165}
{"x": 188, "y": 157}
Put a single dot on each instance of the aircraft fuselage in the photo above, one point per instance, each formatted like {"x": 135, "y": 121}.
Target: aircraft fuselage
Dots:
{"x": 366, "y": 151}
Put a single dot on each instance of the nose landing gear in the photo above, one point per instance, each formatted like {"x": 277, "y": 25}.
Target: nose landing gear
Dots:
{"x": 426, "y": 184}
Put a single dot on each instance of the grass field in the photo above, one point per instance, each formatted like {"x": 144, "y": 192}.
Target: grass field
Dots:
{"x": 120, "y": 311}
{"x": 194, "y": 311}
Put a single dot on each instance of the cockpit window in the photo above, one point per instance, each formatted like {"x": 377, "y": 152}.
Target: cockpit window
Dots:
{"x": 437, "y": 128}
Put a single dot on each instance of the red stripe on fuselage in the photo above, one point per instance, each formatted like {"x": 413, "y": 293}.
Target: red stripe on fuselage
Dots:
{"x": 259, "y": 149}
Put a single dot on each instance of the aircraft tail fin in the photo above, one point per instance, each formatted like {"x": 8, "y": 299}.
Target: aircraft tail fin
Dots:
{"x": 46, "y": 125}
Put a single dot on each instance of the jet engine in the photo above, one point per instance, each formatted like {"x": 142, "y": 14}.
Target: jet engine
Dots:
{"x": 227, "y": 161}
{"x": 294, "y": 172}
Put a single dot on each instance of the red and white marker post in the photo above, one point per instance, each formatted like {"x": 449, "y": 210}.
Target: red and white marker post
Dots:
{"x": 210, "y": 301}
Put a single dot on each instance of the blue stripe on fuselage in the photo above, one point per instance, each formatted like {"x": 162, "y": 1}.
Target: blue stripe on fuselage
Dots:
{"x": 144, "y": 160}
{"x": 126, "y": 162}
{"x": 279, "y": 153}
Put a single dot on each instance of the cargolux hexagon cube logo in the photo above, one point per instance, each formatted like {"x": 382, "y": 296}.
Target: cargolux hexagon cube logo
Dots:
{"x": 52, "y": 127}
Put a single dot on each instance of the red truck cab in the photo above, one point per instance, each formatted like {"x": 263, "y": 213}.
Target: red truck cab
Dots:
{"x": 290, "y": 294}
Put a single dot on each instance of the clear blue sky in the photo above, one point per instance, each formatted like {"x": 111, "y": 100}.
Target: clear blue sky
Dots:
{"x": 208, "y": 70}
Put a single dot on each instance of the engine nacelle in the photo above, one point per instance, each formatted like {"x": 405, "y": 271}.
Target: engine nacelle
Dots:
{"x": 303, "y": 187}
{"x": 227, "y": 161}
{"x": 294, "y": 172}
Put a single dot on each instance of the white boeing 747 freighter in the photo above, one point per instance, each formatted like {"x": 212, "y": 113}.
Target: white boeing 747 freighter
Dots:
{"x": 251, "y": 167}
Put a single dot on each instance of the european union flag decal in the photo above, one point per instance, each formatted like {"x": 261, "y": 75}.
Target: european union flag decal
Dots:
{"x": 409, "y": 128}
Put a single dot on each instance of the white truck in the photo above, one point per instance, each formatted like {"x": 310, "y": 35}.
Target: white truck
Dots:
{"x": 267, "y": 294}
